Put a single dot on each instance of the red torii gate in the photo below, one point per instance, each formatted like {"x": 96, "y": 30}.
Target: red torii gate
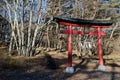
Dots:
{"x": 98, "y": 24}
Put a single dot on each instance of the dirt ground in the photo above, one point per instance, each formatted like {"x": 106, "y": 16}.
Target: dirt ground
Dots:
{"x": 35, "y": 68}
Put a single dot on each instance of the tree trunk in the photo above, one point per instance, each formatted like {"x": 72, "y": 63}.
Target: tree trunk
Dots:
{"x": 29, "y": 51}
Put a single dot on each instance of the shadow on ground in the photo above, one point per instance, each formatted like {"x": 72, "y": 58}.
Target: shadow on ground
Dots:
{"x": 37, "y": 69}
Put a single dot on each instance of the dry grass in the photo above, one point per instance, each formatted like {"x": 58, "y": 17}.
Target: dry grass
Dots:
{"x": 7, "y": 62}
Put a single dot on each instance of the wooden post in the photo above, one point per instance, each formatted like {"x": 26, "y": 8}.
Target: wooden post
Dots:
{"x": 70, "y": 46}
{"x": 100, "y": 51}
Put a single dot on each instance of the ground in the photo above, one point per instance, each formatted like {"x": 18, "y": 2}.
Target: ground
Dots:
{"x": 36, "y": 68}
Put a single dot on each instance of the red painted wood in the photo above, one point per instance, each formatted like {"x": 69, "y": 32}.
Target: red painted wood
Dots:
{"x": 70, "y": 46}
{"x": 81, "y": 25}
{"x": 71, "y": 24}
{"x": 97, "y": 33}
{"x": 72, "y": 32}
{"x": 93, "y": 26}
{"x": 100, "y": 52}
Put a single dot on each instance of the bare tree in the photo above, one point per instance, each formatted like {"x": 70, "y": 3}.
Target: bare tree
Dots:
{"x": 29, "y": 26}
{"x": 25, "y": 29}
